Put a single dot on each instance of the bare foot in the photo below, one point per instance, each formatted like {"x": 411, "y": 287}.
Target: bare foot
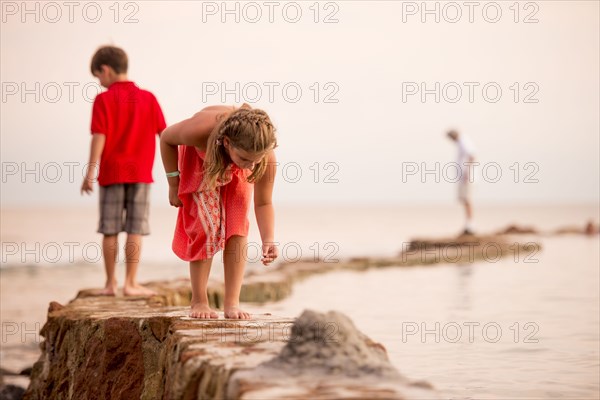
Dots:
{"x": 236, "y": 313}
{"x": 138, "y": 290}
{"x": 107, "y": 291}
{"x": 202, "y": 311}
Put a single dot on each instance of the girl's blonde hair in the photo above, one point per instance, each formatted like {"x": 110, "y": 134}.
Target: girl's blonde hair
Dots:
{"x": 248, "y": 129}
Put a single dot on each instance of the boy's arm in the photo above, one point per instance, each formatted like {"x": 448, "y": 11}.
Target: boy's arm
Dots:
{"x": 98, "y": 141}
{"x": 263, "y": 208}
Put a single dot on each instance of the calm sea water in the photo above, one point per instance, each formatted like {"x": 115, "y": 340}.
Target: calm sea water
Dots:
{"x": 526, "y": 326}
{"x": 504, "y": 330}
{"x": 63, "y": 237}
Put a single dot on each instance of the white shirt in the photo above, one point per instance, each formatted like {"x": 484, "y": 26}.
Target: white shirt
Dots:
{"x": 466, "y": 150}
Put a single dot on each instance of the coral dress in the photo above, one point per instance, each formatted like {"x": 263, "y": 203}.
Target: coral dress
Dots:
{"x": 208, "y": 218}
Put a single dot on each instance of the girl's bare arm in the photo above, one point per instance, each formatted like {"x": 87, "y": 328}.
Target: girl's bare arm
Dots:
{"x": 263, "y": 208}
{"x": 193, "y": 131}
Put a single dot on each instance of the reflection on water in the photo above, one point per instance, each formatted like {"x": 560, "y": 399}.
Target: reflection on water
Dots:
{"x": 488, "y": 330}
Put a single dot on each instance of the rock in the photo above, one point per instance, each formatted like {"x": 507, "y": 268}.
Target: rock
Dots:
{"x": 54, "y": 306}
{"x": 6, "y": 372}
{"x": 135, "y": 347}
{"x": 126, "y": 348}
{"x": 12, "y": 384}
{"x": 26, "y": 371}
{"x": 462, "y": 249}
{"x": 11, "y": 392}
{"x": 590, "y": 229}
{"x": 518, "y": 230}
{"x": 331, "y": 342}
{"x": 326, "y": 357}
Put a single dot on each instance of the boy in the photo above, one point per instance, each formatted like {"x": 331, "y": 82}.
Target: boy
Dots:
{"x": 125, "y": 120}
{"x": 466, "y": 156}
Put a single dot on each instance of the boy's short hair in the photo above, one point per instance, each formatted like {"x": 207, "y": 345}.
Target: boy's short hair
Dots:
{"x": 452, "y": 134}
{"x": 112, "y": 56}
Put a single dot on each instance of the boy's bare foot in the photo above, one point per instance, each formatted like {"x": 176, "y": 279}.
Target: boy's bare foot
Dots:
{"x": 202, "y": 311}
{"x": 138, "y": 290}
{"x": 236, "y": 313}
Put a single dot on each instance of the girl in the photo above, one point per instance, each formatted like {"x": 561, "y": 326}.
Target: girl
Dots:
{"x": 224, "y": 153}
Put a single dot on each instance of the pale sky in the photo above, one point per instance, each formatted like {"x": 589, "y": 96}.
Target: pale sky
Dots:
{"x": 372, "y": 59}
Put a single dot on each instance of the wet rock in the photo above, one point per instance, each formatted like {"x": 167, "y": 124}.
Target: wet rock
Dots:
{"x": 463, "y": 249}
{"x": 137, "y": 348}
{"x": 11, "y": 392}
{"x": 330, "y": 342}
{"x": 589, "y": 229}
{"x": 518, "y": 230}
{"x": 26, "y": 371}
{"x": 5, "y": 372}
{"x": 326, "y": 357}
{"x": 96, "y": 348}
{"x": 54, "y": 306}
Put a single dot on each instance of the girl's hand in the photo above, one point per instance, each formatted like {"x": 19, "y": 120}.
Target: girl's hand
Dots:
{"x": 174, "y": 196}
{"x": 270, "y": 252}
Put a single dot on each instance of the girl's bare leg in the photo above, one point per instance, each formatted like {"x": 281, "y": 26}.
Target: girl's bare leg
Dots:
{"x": 199, "y": 271}
{"x": 234, "y": 258}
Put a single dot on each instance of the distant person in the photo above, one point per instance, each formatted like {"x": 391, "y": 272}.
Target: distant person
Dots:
{"x": 125, "y": 122}
{"x": 591, "y": 228}
{"x": 213, "y": 162}
{"x": 466, "y": 155}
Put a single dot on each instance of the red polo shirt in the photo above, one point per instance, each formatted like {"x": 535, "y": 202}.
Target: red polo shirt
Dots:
{"x": 130, "y": 118}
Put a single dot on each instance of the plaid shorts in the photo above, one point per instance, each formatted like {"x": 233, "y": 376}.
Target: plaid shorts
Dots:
{"x": 124, "y": 207}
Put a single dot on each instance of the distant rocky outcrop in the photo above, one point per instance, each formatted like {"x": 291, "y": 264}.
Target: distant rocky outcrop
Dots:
{"x": 518, "y": 230}
{"x": 463, "y": 249}
{"x": 590, "y": 228}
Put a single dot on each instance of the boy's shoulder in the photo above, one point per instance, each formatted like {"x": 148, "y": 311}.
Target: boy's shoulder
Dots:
{"x": 148, "y": 95}
{"x": 144, "y": 91}
{"x": 126, "y": 90}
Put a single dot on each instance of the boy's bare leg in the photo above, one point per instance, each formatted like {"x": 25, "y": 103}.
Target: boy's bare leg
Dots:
{"x": 234, "y": 258}
{"x": 468, "y": 216}
{"x": 468, "y": 210}
{"x": 109, "y": 252}
{"x": 133, "y": 249}
{"x": 199, "y": 271}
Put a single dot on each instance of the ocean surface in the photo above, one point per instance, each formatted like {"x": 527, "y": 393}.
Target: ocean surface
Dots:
{"x": 525, "y": 329}
{"x": 526, "y": 326}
